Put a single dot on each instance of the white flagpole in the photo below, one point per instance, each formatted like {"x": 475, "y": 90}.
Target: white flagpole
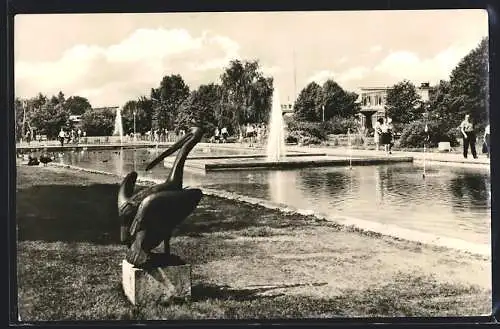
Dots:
{"x": 350, "y": 147}
{"x": 426, "y": 129}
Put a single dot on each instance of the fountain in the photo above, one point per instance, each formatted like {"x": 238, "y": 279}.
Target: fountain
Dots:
{"x": 118, "y": 131}
{"x": 276, "y": 139}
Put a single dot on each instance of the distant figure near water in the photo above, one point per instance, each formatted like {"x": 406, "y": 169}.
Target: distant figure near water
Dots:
{"x": 377, "y": 133}
{"x": 224, "y": 134}
{"x": 469, "y": 136}
{"x": 61, "y": 136}
{"x": 486, "y": 143}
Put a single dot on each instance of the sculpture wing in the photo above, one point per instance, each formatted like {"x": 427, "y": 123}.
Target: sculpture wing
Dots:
{"x": 162, "y": 211}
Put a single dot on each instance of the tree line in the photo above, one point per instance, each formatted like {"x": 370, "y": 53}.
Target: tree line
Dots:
{"x": 243, "y": 96}
{"x": 465, "y": 92}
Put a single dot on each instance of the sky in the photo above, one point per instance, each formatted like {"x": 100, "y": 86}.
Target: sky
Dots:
{"x": 113, "y": 58}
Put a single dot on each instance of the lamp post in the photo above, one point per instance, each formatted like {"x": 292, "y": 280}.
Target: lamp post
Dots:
{"x": 323, "y": 107}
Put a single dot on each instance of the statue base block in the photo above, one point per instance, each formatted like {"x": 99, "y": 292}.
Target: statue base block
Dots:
{"x": 158, "y": 284}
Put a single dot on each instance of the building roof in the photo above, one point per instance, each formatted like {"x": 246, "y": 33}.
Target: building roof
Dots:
{"x": 105, "y": 108}
{"x": 375, "y": 88}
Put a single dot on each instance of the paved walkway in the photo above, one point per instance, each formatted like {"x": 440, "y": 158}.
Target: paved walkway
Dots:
{"x": 451, "y": 158}
{"x": 429, "y": 156}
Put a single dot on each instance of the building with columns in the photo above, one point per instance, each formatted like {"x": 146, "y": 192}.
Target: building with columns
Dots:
{"x": 374, "y": 99}
{"x": 287, "y": 108}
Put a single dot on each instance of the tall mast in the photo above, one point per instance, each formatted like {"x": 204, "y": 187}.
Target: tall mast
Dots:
{"x": 23, "y": 103}
{"x": 294, "y": 78}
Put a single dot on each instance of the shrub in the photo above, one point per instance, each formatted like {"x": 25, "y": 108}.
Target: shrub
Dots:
{"x": 357, "y": 140}
{"x": 306, "y": 128}
{"x": 413, "y": 134}
{"x": 310, "y": 140}
{"x": 291, "y": 139}
{"x": 339, "y": 125}
{"x": 302, "y": 137}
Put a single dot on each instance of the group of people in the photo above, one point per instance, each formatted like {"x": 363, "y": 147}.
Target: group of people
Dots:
{"x": 384, "y": 134}
{"x": 158, "y": 135}
{"x": 254, "y": 133}
{"x": 71, "y": 136}
{"x": 220, "y": 135}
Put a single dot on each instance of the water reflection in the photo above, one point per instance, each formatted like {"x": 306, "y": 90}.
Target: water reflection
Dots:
{"x": 119, "y": 162}
{"x": 470, "y": 191}
{"x": 334, "y": 183}
{"x": 283, "y": 188}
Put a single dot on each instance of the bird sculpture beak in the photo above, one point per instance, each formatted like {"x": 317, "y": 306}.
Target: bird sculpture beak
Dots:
{"x": 170, "y": 151}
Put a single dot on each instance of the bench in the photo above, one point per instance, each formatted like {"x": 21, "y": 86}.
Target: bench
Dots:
{"x": 444, "y": 147}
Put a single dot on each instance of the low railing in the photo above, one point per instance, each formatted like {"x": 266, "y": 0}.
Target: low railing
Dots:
{"x": 97, "y": 140}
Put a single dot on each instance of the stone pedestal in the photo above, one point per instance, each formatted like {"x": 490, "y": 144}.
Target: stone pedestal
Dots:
{"x": 160, "y": 284}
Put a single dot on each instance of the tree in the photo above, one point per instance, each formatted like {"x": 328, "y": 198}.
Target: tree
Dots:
{"x": 201, "y": 106}
{"x": 19, "y": 113}
{"x": 245, "y": 95}
{"x": 308, "y": 106}
{"x": 142, "y": 117}
{"x": 403, "y": 103}
{"x": 469, "y": 86}
{"x": 49, "y": 118}
{"x": 145, "y": 105}
{"x": 99, "y": 122}
{"x": 77, "y": 105}
{"x": 337, "y": 101}
{"x": 169, "y": 96}
{"x": 261, "y": 99}
{"x": 441, "y": 103}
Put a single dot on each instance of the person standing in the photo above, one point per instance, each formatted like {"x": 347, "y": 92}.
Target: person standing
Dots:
{"x": 486, "y": 148}
{"x": 224, "y": 134}
{"x": 390, "y": 134}
{"x": 385, "y": 138}
{"x": 377, "y": 133}
{"x": 469, "y": 136}
{"x": 61, "y": 136}
{"x": 28, "y": 136}
{"x": 217, "y": 134}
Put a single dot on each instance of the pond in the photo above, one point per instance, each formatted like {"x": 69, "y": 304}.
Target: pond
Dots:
{"x": 450, "y": 201}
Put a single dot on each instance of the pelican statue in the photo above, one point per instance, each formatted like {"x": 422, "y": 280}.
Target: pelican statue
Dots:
{"x": 149, "y": 216}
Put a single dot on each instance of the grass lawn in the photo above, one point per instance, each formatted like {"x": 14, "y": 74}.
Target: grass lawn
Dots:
{"x": 248, "y": 262}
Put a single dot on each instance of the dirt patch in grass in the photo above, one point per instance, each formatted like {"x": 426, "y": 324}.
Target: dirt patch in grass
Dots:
{"x": 248, "y": 262}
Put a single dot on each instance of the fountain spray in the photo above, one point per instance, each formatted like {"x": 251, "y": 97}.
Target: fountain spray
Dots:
{"x": 276, "y": 139}
{"x": 118, "y": 131}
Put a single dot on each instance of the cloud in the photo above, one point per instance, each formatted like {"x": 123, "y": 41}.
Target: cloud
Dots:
{"x": 343, "y": 60}
{"x": 408, "y": 65}
{"x": 113, "y": 74}
{"x": 355, "y": 73}
{"x": 349, "y": 77}
{"x": 322, "y": 76}
{"x": 270, "y": 70}
{"x": 375, "y": 49}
